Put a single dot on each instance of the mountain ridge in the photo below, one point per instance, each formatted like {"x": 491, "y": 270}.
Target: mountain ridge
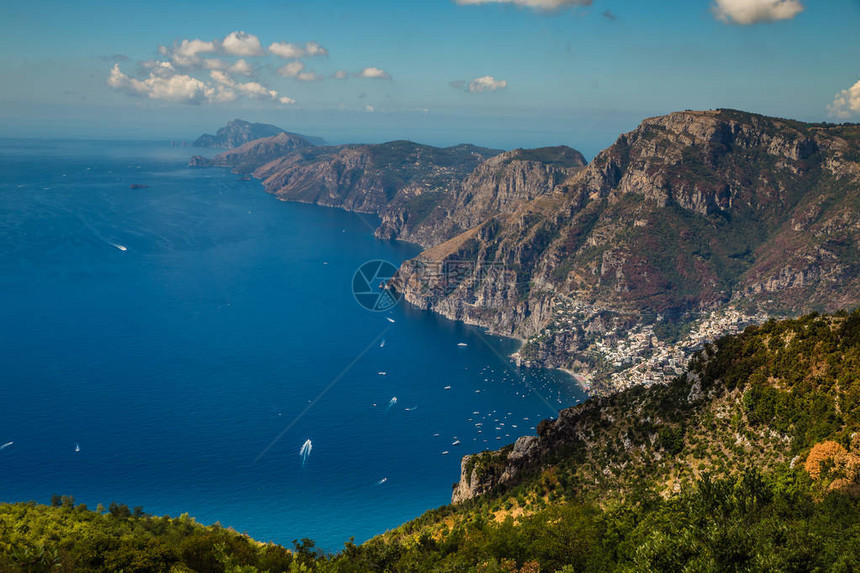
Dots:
{"x": 691, "y": 214}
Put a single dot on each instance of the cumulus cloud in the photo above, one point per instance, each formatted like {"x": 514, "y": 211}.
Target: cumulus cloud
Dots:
{"x": 746, "y": 12}
{"x": 290, "y": 51}
{"x": 373, "y": 73}
{"x": 187, "y": 52}
{"x": 846, "y": 103}
{"x": 535, "y": 4}
{"x": 161, "y": 85}
{"x": 309, "y": 76}
{"x": 486, "y": 84}
{"x": 164, "y": 83}
{"x": 242, "y": 44}
{"x": 242, "y": 67}
{"x": 291, "y": 69}
{"x": 196, "y": 71}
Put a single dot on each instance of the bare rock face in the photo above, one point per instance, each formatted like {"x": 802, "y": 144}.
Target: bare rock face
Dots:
{"x": 687, "y": 214}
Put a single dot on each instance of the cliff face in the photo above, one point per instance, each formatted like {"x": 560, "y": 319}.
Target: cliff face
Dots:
{"x": 688, "y": 214}
{"x": 498, "y": 185}
{"x": 422, "y": 194}
{"x": 372, "y": 178}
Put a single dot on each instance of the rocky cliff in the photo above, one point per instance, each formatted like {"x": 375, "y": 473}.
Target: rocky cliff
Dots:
{"x": 691, "y": 213}
{"x": 422, "y": 194}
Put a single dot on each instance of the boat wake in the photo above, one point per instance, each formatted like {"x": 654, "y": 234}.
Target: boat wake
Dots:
{"x": 305, "y": 451}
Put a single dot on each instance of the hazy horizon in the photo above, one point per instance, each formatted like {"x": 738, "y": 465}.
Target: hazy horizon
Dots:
{"x": 500, "y": 73}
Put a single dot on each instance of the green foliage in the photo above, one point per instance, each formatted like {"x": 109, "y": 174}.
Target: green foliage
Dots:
{"x": 37, "y": 538}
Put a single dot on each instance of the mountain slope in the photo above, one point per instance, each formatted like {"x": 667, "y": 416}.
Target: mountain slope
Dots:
{"x": 757, "y": 444}
{"x": 690, "y": 213}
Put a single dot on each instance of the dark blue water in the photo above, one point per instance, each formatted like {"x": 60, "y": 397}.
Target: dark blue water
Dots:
{"x": 176, "y": 362}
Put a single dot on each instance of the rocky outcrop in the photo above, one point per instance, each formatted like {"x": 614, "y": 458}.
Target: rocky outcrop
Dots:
{"x": 496, "y": 186}
{"x": 479, "y": 473}
{"x": 239, "y": 132}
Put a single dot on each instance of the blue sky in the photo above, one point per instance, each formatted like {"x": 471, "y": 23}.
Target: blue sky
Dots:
{"x": 504, "y": 73}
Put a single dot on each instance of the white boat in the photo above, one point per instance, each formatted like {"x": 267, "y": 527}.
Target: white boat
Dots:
{"x": 456, "y": 443}
{"x": 77, "y": 447}
{"x": 445, "y": 453}
{"x": 389, "y": 319}
{"x": 6, "y": 445}
{"x": 462, "y": 344}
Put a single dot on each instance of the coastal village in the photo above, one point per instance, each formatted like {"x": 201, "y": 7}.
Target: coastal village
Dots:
{"x": 613, "y": 353}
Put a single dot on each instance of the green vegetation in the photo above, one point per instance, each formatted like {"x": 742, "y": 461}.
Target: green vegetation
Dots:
{"x": 749, "y": 462}
{"x": 65, "y": 537}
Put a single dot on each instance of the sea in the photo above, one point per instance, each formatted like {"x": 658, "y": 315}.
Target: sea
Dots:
{"x": 178, "y": 339}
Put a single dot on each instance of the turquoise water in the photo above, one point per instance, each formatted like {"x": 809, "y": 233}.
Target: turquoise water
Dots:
{"x": 174, "y": 332}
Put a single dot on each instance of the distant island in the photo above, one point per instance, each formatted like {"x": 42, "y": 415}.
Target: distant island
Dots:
{"x": 238, "y": 132}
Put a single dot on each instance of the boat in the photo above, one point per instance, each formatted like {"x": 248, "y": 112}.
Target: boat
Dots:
{"x": 389, "y": 319}
{"x": 6, "y": 445}
{"x": 462, "y": 344}
{"x": 138, "y": 186}
{"x": 456, "y": 443}
{"x": 77, "y": 447}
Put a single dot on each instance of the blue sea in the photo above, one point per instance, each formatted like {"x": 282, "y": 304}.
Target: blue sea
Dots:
{"x": 175, "y": 346}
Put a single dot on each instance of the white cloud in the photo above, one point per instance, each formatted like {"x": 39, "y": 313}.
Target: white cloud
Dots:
{"x": 846, "y": 103}
{"x": 242, "y": 67}
{"x": 369, "y": 109}
{"x": 374, "y": 73}
{"x": 187, "y": 52}
{"x": 289, "y": 50}
{"x": 166, "y": 84}
{"x": 176, "y": 88}
{"x": 241, "y": 43}
{"x": 287, "y": 100}
{"x": 314, "y": 49}
{"x": 536, "y": 4}
{"x": 486, "y": 84}
{"x": 309, "y": 76}
{"x": 291, "y": 70}
{"x": 747, "y": 12}
{"x": 340, "y": 75}
{"x": 253, "y": 90}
